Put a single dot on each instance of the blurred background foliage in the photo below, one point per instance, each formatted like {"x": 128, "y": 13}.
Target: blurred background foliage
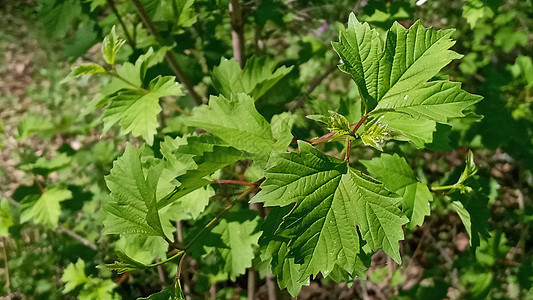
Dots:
{"x": 54, "y": 153}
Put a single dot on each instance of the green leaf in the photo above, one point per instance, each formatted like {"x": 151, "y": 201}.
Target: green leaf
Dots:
{"x": 257, "y": 77}
{"x": 133, "y": 208}
{"x": 359, "y": 48}
{"x": 331, "y": 201}
{"x": 232, "y": 240}
{"x": 194, "y": 158}
{"x": 395, "y": 78}
{"x": 44, "y": 209}
{"x": 45, "y": 167}
{"x": 74, "y": 276}
{"x": 87, "y": 69}
{"x": 398, "y": 177}
{"x": 136, "y": 110}
{"x": 188, "y": 207}
{"x": 417, "y": 131}
{"x": 125, "y": 264}
{"x": 6, "y": 220}
{"x": 236, "y": 121}
{"x": 111, "y": 45}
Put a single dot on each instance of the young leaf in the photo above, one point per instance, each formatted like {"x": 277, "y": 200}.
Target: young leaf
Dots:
{"x": 236, "y": 121}
{"x": 74, "y": 276}
{"x": 133, "y": 209}
{"x": 398, "y": 177}
{"x": 87, "y": 69}
{"x": 331, "y": 201}
{"x": 110, "y": 46}
{"x": 173, "y": 292}
{"x": 257, "y": 77}
{"x": 136, "y": 110}
{"x": 44, "y": 209}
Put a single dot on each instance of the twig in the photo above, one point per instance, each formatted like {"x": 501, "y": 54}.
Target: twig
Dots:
{"x": 172, "y": 62}
{"x": 240, "y": 182}
{"x": 358, "y": 124}
{"x": 161, "y": 275}
{"x": 348, "y": 149}
{"x": 213, "y": 291}
{"x": 183, "y": 267}
{"x": 271, "y": 287}
{"x": 251, "y": 284}
{"x": 126, "y": 33}
{"x": 78, "y": 237}
{"x": 237, "y": 31}
{"x": 6, "y": 263}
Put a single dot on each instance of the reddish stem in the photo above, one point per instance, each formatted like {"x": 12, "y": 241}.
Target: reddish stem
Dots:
{"x": 363, "y": 118}
{"x": 348, "y": 148}
{"x": 240, "y": 182}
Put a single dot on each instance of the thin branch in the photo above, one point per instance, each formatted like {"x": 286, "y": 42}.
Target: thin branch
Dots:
{"x": 271, "y": 287}
{"x": 126, "y": 33}
{"x": 78, "y": 237}
{"x": 114, "y": 74}
{"x": 348, "y": 149}
{"x": 237, "y": 31}
{"x": 171, "y": 60}
{"x": 356, "y": 126}
{"x": 251, "y": 284}
{"x": 239, "y": 182}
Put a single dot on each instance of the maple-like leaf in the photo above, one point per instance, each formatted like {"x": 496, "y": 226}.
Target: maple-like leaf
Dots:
{"x": 237, "y": 122}
{"x": 332, "y": 201}
{"x": 133, "y": 208}
{"x": 44, "y": 209}
{"x": 257, "y": 77}
{"x": 136, "y": 110}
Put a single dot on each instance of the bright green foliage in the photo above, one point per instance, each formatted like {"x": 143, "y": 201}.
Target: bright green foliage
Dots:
{"x": 189, "y": 206}
{"x": 394, "y": 77}
{"x": 398, "y": 177}
{"x": 331, "y": 200}
{"x": 74, "y": 275}
{"x": 110, "y": 46}
{"x": 232, "y": 240}
{"x": 236, "y": 121}
{"x": 192, "y": 159}
{"x": 86, "y": 69}
{"x": 136, "y": 110}
{"x": 44, "y": 209}
{"x": 376, "y": 135}
{"x": 255, "y": 79}
{"x": 6, "y": 220}
{"x": 91, "y": 288}
{"x": 133, "y": 209}
{"x": 417, "y": 131}
{"x": 335, "y": 123}
{"x": 180, "y": 13}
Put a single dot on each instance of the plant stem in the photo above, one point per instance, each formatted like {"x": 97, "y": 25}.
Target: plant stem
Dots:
{"x": 237, "y": 32}
{"x": 271, "y": 287}
{"x": 361, "y": 121}
{"x": 78, "y": 237}
{"x": 444, "y": 187}
{"x": 348, "y": 149}
{"x": 248, "y": 191}
{"x": 6, "y": 264}
{"x": 171, "y": 60}
{"x": 114, "y": 74}
{"x": 119, "y": 18}
{"x": 240, "y": 182}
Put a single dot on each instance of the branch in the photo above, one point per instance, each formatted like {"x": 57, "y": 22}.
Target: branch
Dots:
{"x": 171, "y": 60}
{"x": 237, "y": 31}
{"x": 78, "y": 237}
{"x": 126, "y": 33}
{"x": 240, "y": 182}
